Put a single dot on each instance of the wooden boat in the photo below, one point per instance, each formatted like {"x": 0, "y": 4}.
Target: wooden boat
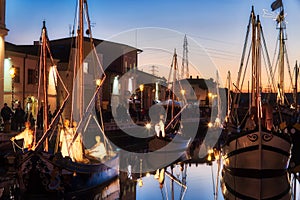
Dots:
{"x": 170, "y": 126}
{"x": 256, "y": 152}
{"x": 43, "y": 172}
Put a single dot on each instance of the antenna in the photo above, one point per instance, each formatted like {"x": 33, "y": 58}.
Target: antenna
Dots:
{"x": 185, "y": 61}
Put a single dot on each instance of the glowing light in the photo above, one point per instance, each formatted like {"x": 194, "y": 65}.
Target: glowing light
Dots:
{"x": 209, "y": 157}
{"x": 12, "y": 72}
{"x": 148, "y": 126}
{"x": 147, "y": 174}
{"x": 52, "y": 80}
{"x": 142, "y": 87}
{"x": 209, "y": 125}
{"x": 156, "y": 176}
{"x": 140, "y": 182}
{"x": 98, "y": 82}
{"x": 116, "y": 86}
{"x": 182, "y": 92}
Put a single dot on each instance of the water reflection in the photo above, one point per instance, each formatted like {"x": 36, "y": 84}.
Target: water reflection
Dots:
{"x": 181, "y": 180}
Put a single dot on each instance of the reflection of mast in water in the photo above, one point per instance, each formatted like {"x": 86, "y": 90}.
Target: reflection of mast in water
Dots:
{"x": 160, "y": 176}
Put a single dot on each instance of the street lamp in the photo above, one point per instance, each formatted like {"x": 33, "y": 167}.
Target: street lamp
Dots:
{"x": 98, "y": 100}
{"x": 12, "y": 73}
{"x": 141, "y": 89}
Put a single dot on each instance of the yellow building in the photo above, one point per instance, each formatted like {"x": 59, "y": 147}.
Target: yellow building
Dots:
{"x": 21, "y": 65}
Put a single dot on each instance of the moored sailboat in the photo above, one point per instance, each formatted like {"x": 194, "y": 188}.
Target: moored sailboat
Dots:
{"x": 43, "y": 171}
{"x": 257, "y": 148}
{"x": 168, "y": 123}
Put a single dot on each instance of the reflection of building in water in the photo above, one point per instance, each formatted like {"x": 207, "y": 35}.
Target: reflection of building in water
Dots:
{"x": 127, "y": 187}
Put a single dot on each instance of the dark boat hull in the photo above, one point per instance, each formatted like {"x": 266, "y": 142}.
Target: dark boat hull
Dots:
{"x": 252, "y": 184}
{"x": 43, "y": 174}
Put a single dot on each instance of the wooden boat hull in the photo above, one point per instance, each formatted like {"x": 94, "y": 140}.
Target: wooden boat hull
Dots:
{"x": 41, "y": 173}
{"x": 257, "y": 150}
{"x": 237, "y": 187}
{"x": 255, "y": 166}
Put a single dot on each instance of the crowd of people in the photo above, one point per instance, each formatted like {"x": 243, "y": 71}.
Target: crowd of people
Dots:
{"x": 14, "y": 119}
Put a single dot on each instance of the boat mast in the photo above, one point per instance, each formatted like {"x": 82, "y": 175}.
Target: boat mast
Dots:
{"x": 45, "y": 85}
{"x": 80, "y": 57}
{"x": 296, "y": 87}
{"x": 280, "y": 20}
{"x": 258, "y": 74}
{"x": 254, "y": 67}
{"x": 258, "y": 90}
{"x": 174, "y": 83}
{"x": 219, "y": 114}
{"x": 228, "y": 93}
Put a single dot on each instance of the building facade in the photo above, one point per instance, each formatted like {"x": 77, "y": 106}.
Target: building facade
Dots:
{"x": 116, "y": 60}
{"x": 3, "y": 33}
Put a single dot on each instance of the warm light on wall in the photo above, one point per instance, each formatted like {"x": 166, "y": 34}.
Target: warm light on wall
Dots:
{"x": 12, "y": 72}
{"x": 52, "y": 81}
{"x": 115, "y": 90}
{"x": 7, "y": 76}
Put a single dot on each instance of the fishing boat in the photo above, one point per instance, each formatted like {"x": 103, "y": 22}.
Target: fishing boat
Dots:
{"x": 44, "y": 172}
{"x": 257, "y": 147}
{"x": 169, "y": 123}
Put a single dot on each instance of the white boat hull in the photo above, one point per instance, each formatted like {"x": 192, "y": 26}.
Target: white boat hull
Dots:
{"x": 255, "y": 166}
{"x": 257, "y": 150}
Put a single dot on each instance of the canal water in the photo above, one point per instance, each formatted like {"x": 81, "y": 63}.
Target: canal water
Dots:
{"x": 189, "y": 181}
{"x": 201, "y": 183}
{"x": 186, "y": 181}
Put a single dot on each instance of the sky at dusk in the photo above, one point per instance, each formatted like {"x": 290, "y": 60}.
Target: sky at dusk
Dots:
{"x": 214, "y": 28}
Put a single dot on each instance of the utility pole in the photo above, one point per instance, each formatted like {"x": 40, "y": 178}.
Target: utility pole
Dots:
{"x": 153, "y": 70}
{"x": 185, "y": 61}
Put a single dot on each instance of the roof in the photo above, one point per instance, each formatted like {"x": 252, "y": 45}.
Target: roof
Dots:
{"x": 61, "y": 48}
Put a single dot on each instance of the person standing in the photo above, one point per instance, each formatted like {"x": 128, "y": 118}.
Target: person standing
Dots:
{"x": 65, "y": 138}
{"x": 28, "y": 137}
{"x": 77, "y": 146}
{"x": 6, "y": 114}
{"x": 40, "y": 118}
{"x": 19, "y": 117}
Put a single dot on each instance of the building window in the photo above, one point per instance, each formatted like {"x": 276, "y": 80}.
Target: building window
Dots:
{"x": 17, "y": 75}
{"x": 85, "y": 67}
{"x": 32, "y": 78}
